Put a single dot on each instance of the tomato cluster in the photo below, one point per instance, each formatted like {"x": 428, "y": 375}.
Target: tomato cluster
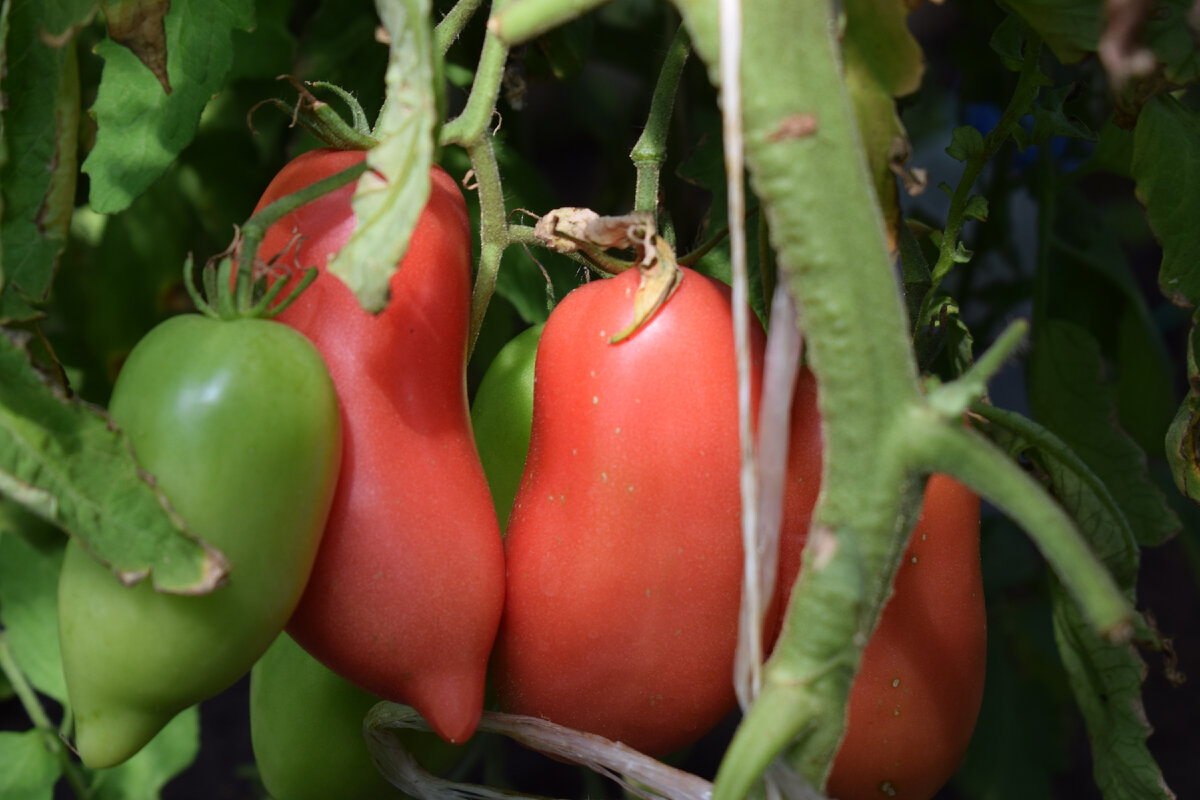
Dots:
{"x": 611, "y": 605}
{"x": 624, "y": 552}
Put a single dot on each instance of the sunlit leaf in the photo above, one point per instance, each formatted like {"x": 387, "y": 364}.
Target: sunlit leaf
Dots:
{"x": 141, "y": 129}
{"x": 883, "y": 62}
{"x": 65, "y": 461}
{"x": 390, "y": 196}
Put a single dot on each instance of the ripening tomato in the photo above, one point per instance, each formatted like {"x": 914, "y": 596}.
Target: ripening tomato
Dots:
{"x": 624, "y": 551}
{"x": 406, "y": 594}
{"x": 579, "y": 643}
{"x": 915, "y": 700}
{"x": 238, "y": 422}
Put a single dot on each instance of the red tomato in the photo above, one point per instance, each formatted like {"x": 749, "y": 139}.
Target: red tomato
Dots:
{"x": 915, "y": 700}
{"x": 623, "y": 546}
{"x": 408, "y": 587}
{"x": 914, "y": 703}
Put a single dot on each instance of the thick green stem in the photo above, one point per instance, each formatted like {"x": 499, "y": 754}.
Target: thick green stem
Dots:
{"x": 972, "y": 459}
{"x": 37, "y": 715}
{"x": 811, "y": 177}
{"x": 256, "y": 228}
{"x": 522, "y": 20}
{"x": 446, "y": 31}
{"x": 470, "y": 126}
{"x": 650, "y": 151}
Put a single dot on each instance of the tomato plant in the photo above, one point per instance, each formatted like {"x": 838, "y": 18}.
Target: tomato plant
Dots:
{"x": 406, "y": 594}
{"x": 134, "y": 658}
{"x": 587, "y": 139}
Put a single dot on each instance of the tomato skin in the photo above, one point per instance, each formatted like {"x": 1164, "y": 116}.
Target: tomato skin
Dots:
{"x": 306, "y": 727}
{"x": 238, "y": 421}
{"x": 916, "y": 698}
{"x": 624, "y": 578}
{"x": 502, "y": 416}
{"x": 407, "y": 591}
{"x": 914, "y": 703}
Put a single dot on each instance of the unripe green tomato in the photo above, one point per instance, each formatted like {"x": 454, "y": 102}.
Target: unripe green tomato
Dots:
{"x": 502, "y": 415}
{"x": 306, "y": 729}
{"x": 238, "y": 422}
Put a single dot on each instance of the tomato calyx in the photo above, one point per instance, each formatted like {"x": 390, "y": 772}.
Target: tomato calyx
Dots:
{"x": 583, "y": 231}
{"x": 231, "y": 289}
{"x": 320, "y": 119}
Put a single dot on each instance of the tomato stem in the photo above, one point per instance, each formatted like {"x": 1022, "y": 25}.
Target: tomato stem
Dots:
{"x": 521, "y": 20}
{"x": 229, "y": 294}
{"x": 971, "y": 458}
{"x": 447, "y": 31}
{"x": 650, "y": 151}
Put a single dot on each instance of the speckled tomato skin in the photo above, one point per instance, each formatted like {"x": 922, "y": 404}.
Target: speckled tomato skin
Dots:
{"x": 623, "y": 547}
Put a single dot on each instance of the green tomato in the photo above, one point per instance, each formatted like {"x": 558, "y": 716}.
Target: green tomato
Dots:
{"x": 306, "y": 729}
{"x": 502, "y": 415}
{"x": 238, "y": 421}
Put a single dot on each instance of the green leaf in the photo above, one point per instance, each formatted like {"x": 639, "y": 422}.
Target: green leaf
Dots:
{"x": 29, "y": 611}
{"x": 883, "y": 62}
{"x": 1107, "y": 681}
{"x": 976, "y": 208}
{"x": 1049, "y": 118}
{"x": 66, "y": 462}
{"x": 169, "y": 753}
{"x": 28, "y": 770}
{"x": 1080, "y": 490}
{"x": 389, "y": 198}
{"x": 966, "y": 142}
{"x": 1008, "y": 42}
{"x": 942, "y": 332}
{"x": 140, "y": 128}
{"x": 1071, "y": 28}
{"x": 1166, "y": 167}
{"x": 1023, "y": 737}
{"x": 1171, "y": 35}
{"x": 1071, "y": 396}
{"x": 41, "y": 121}
{"x": 1104, "y": 677}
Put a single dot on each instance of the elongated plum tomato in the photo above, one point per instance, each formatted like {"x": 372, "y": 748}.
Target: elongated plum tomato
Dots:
{"x": 238, "y": 422}
{"x": 407, "y": 591}
{"x": 623, "y": 546}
